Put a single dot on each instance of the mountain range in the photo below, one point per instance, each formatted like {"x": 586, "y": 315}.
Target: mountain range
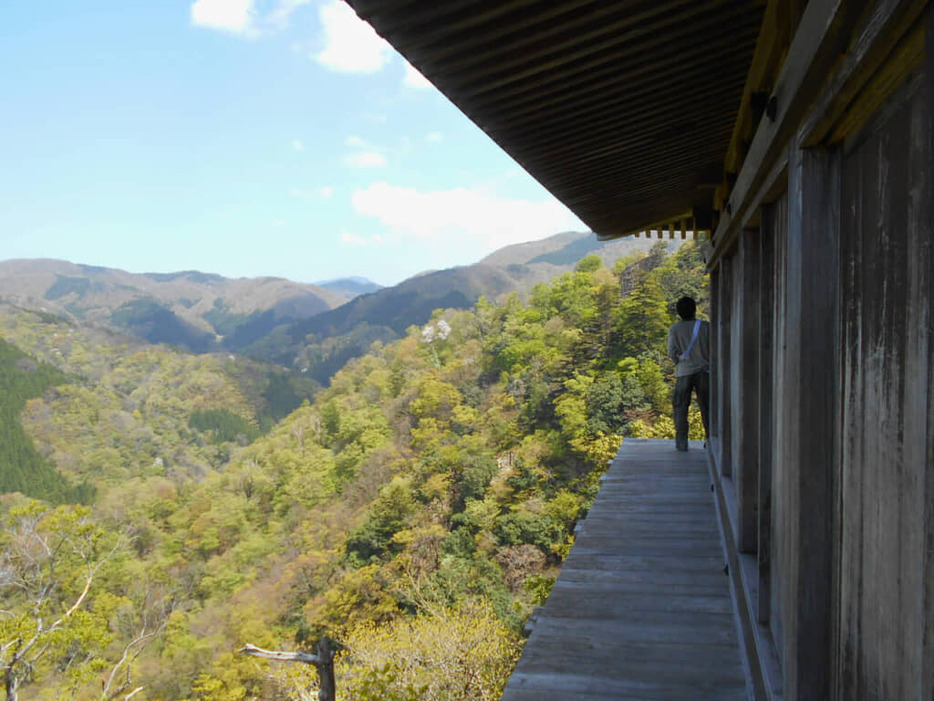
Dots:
{"x": 313, "y": 328}
{"x": 197, "y": 311}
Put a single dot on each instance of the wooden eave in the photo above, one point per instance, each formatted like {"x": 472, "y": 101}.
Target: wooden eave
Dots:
{"x": 624, "y": 110}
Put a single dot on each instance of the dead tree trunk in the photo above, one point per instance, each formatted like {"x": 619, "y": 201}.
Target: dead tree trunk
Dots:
{"x": 327, "y": 691}
{"x": 323, "y": 660}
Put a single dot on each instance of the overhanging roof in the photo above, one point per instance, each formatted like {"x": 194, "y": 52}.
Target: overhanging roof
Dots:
{"x": 623, "y": 109}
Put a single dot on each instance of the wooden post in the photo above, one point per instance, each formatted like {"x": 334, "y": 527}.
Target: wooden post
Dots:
{"x": 327, "y": 692}
{"x": 713, "y": 411}
{"x": 724, "y": 385}
{"x": 744, "y": 402}
{"x": 323, "y": 660}
{"x": 807, "y": 442}
{"x": 773, "y": 217}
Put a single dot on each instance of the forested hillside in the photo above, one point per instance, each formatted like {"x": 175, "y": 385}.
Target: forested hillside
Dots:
{"x": 22, "y": 468}
{"x": 322, "y": 344}
{"x": 415, "y": 510}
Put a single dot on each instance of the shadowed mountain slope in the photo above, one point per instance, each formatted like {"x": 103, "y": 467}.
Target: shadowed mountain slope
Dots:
{"x": 322, "y": 344}
{"x": 190, "y": 309}
{"x": 310, "y": 328}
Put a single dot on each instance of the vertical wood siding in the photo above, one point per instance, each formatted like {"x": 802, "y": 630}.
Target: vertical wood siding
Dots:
{"x": 886, "y": 412}
{"x": 775, "y": 227}
{"x": 745, "y": 402}
{"x": 807, "y": 401}
{"x": 724, "y": 366}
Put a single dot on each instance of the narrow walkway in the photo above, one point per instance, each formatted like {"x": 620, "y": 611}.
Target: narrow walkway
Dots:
{"x": 642, "y": 608}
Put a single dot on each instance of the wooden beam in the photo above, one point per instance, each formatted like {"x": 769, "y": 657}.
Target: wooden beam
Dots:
{"x": 598, "y": 81}
{"x": 876, "y": 64}
{"x": 774, "y": 38}
{"x": 598, "y": 133}
{"x": 437, "y": 24}
{"x": 811, "y": 78}
{"x": 535, "y": 70}
{"x": 591, "y": 26}
{"x": 810, "y": 57}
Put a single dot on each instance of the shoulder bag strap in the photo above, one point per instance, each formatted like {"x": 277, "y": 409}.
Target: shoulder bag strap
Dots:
{"x": 684, "y": 356}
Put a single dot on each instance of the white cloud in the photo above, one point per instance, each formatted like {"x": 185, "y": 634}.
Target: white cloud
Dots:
{"x": 279, "y": 17}
{"x": 234, "y": 16}
{"x": 298, "y": 145}
{"x": 414, "y": 79}
{"x": 354, "y": 142}
{"x": 326, "y": 191}
{"x": 241, "y": 17}
{"x": 478, "y": 219}
{"x": 351, "y": 45}
{"x": 434, "y": 137}
{"x": 367, "y": 159}
{"x": 355, "y": 240}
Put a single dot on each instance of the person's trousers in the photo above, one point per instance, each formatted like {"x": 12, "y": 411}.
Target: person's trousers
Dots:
{"x": 699, "y": 383}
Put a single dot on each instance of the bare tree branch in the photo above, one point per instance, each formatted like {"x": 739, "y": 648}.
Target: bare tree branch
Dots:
{"x": 280, "y": 656}
{"x": 323, "y": 662}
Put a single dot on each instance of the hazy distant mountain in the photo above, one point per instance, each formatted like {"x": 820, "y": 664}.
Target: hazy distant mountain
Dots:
{"x": 350, "y": 287}
{"x": 190, "y": 309}
{"x": 412, "y": 301}
{"x": 537, "y": 261}
{"x": 320, "y": 345}
{"x": 312, "y": 328}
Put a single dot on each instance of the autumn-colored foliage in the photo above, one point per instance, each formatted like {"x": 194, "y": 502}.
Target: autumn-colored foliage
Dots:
{"x": 414, "y": 511}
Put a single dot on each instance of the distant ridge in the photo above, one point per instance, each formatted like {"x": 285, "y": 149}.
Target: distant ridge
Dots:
{"x": 313, "y": 329}
{"x": 190, "y": 309}
{"x": 350, "y": 287}
{"x": 322, "y": 344}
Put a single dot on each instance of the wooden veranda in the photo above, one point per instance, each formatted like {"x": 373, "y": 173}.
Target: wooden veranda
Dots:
{"x": 801, "y": 132}
{"x": 642, "y": 608}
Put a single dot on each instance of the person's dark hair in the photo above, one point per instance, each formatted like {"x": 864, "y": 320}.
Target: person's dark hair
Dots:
{"x": 686, "y": 308}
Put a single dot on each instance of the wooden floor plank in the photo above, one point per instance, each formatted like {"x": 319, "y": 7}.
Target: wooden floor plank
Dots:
{"x": 642, "y": 608}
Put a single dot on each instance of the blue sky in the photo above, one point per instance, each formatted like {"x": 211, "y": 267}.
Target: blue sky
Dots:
{"x": 242, "y": 137}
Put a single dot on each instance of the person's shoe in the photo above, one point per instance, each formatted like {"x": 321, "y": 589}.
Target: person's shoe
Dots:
{"x": 681, "y": 444}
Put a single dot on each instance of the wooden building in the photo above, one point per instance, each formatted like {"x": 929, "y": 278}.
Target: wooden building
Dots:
{"x": 799, "y": 135}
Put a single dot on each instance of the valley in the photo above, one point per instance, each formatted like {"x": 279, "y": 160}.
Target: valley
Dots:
{"x": 427, "y": 490}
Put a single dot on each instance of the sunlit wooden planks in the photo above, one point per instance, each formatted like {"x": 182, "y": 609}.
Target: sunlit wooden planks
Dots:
{"x": 642, "y": 609}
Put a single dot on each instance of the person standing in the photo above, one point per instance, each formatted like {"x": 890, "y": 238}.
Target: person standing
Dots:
{"x": 689, "y": 348}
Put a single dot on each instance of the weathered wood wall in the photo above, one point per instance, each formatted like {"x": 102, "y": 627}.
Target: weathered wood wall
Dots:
{"x": 886, "y": 351}
{"x": 776, "y": 227}
{"x": 824, "y": 391}
{"x": 744, "y": 402}
{"x": 724, "y": 372}
{"x": 774, "y": 220}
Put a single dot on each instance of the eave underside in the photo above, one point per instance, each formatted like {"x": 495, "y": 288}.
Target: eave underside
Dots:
{"x": 623, "y": 110}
